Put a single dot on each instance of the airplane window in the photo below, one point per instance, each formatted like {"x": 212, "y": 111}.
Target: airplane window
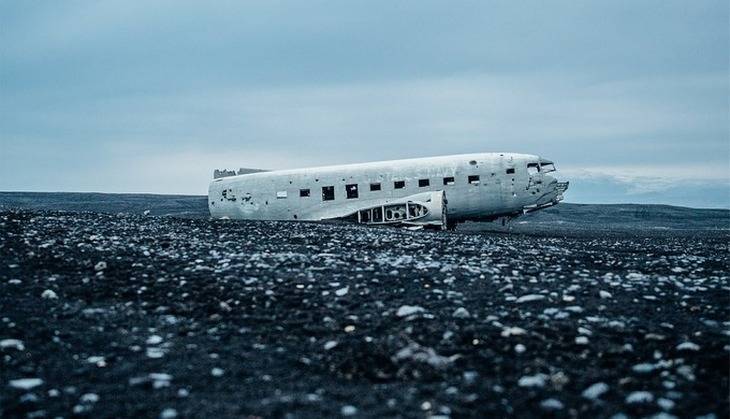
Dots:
{"x": 374, "y": 187}
{"x": 304, "y": 193}
{"x": 328, "y": 193}
{"x": 547, "y": 167}
{"x": 399, "y": 184}
{"x": 449, "y": 180}
{"x": 474, "y": 179}
{"x": 422, "y": 183}
{"x": 351, "y": 191}
{"x": 532, "y": 168}
{"x": 511, "y": 171}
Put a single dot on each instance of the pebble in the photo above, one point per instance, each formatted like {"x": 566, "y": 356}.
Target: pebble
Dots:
{"x": 637, "y": 397}
{"x": 342, "y": 291}
{"x": 605, "y": 294}
{"x": 461, "y": 313}
{"x": 25, "y": 383}
{"x": 594, "y": 391}
{"x": 530, "y": 297}
{"x": 348, "y": 410}
{"x": 688, "y": 346}
{"x": 168, "y": 413}
{"x": 330, "y": 345}
{"x": 537, "y": 380}
{"x": 99, "y": 361}
{"x": 154, "y": 340}
{"x": 512, "y": 331}
{"x": 407, "y": 310}
{"x": 643, "y": 368}
{"x": 581, "y": 340}
{"x": 520, "y": 348}
{"x": 89, "y": 398}
{"x": 49, "y": 295}
{"x": 216, "y": 372}
{"x": 12, "y": 343}
{"x": 665, "y": 404}
{"x": 551, "y": 404}
{"x": 100, "y": 266}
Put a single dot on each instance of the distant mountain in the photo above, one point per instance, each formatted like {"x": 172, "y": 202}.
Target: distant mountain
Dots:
{"x": 572, "y": 216}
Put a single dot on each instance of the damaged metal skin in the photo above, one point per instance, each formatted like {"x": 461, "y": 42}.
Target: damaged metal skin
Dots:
{"x": 426, "y": 192}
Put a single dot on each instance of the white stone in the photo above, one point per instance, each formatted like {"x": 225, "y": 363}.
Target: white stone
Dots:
{"x": 529, "y": 297}
{"x": 537, "y": 380}
{"x": 89, "y": 398}
{"x": 154, "y": 340}
{"x": 342, "y": 291}
{"x": 605, "y": 294}
{"x": 520, "y": 348}
{"x": 688, "y": 346}
{"x": 25, "y": 383}
{"x": 348, "y": 410}
{"x": 216, "y": 372}
{"x": 99, "y": 361}
{"x": 512, "y": 331}
{"x": 461, "y": 313}
{"x": 581, "y": 340}
{"x": 551, "y": 404}
{"x": 665, "y": 404}
{"x": 100, "y": 266}
{"x": 12, "y": 343}
{"x": 49, "y": 294}
{"x": 639, "y": 397}
{"x": 407, "y": 310}
{"x": 155, "y": 352}
{"x": 168, "y": 413}
{"x": 643, "y": 368}
{"x": 595, "y": 391}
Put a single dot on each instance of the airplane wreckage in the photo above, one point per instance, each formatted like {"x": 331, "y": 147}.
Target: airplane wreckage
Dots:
{"x": 436, "y": 192}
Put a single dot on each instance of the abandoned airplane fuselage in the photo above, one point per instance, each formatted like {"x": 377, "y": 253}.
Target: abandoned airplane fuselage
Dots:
{"x": 434, "y": 191}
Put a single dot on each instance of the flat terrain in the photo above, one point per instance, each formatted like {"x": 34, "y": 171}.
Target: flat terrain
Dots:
{"x": 109, "y": 315}
{"x": 564, "y": 217}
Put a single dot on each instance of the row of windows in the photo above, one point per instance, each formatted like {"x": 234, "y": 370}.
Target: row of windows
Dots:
{"x": 352, "y": 191}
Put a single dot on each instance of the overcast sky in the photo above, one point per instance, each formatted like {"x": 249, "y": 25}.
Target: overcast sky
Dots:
{"x": 629, "y": 98}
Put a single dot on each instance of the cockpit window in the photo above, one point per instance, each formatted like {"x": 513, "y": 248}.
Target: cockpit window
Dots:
{"x": 533, "y": 168}
{"x": 547, "y": 167}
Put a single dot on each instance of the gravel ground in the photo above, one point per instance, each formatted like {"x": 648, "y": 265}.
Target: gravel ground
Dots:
{"x": 127, "y": 315}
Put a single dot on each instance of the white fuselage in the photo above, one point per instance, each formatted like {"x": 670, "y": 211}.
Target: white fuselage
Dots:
{"x": 476, "y": 187}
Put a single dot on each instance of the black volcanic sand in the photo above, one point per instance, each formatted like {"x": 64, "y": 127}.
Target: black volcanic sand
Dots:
{"x": 124, "y": 315}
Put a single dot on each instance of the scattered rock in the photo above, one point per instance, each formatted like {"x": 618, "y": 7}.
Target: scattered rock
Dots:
{"x": 49, "y": 295}
{"x": 168, "y": 413}
{"x": 407, "y": 310}
{"x": 639, "y": 397}
{"x": 348, "y": 410}
{"x": 418, "y": 353}
{"x": 537, "y": 380}
{"x": 551, "y": 404}
{"x": 25, "y": 383}
{"x": 529, "y": 298}
{"x": 461, "y": 313}
{"x": 595, "y": 391}
{"x": 12, "y": 344}
{"x": 688, "y": 346}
